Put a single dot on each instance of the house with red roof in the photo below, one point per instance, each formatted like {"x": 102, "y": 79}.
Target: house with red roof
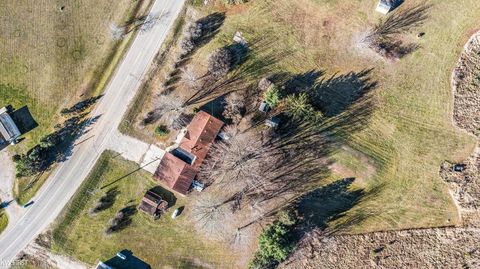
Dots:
{"x": 178, "y": 168}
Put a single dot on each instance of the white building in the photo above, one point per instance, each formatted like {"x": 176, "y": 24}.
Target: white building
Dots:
{"x": 384, "y": 6}
{"x": 8, "y": 129}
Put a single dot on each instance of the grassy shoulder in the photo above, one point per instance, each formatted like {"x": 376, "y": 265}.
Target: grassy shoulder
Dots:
{"x": 82, "y": 236}
{"x": 3, "y": 221}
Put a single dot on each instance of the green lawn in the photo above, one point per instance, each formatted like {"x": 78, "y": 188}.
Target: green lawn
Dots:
{"x": 56, "y": 55}
{"x": 160, "y": 243}
{"x": 409, "y": 133}
{"x": 64, "y": 52}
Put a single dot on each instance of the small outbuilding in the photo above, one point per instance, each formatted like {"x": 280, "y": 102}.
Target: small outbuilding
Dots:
{"x": 9, "y": 132}
{"x": 238, "y": 37}
{"x": 385, "y": 6}
{"x": 273, "y": 122}
{"x": 153, "y": 204}
{"x": 264, "y": 107}
{"x": 459, "y": 167}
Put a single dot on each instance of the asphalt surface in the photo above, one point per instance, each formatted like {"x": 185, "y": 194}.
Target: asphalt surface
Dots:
{"x": 69, "y": 175}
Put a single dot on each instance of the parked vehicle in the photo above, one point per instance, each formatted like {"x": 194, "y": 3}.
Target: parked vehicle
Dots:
{"x": 176, "y": 213}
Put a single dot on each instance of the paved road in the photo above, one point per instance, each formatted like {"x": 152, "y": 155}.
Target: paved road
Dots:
{"x": 119, "y": 93}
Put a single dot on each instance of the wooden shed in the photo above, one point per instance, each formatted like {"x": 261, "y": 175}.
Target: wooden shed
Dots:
{"x": 153, "y": 204}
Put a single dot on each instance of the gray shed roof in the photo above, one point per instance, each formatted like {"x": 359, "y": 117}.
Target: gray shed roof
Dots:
{"x": 8, "y": 129}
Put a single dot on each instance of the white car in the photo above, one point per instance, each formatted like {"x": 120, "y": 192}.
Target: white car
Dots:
{"x": 176, "y": 213}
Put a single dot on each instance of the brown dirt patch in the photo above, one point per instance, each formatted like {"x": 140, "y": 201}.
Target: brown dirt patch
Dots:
{"x": 465, "y": 185}
{"x": 466, "y": 87}
{"x": 427, "y": 248}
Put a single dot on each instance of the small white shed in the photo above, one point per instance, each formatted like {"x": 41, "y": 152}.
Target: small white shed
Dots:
{"x": 384, "y": 6}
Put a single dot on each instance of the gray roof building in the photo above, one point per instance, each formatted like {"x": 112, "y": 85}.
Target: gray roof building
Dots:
{"x": 123, "y": 260}
{"x": 8, "y": 129}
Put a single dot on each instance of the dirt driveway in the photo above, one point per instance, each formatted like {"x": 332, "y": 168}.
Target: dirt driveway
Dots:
{"x": 7, "y": 177}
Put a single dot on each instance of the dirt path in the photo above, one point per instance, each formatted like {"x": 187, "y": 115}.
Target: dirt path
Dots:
{"x": 7, "y": 178}
{"x": 38, "y": 255}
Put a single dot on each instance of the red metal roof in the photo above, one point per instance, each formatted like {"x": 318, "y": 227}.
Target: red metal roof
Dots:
{"x": 175, "y": 173}
{"x": 201, "y": 133}
{"x": 151, "y": 202}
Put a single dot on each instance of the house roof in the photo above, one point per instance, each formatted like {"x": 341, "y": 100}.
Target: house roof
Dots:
{"x": 152, "y": 202}
{"x": 201, "y": 133}
{"x": 8, "y": 129}
{"x": 175, "y": 173}
{"x": 123, "y": 260}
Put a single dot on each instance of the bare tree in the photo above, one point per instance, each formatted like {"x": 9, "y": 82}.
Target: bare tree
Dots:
{"x": 235, "y": 161}
{"x": 164, "y": 106}
{"x": 210, "y": 213}
{"x": 189, "y": 76}
{"x": 220, "y": 62}
{"x": 234, "y": 107}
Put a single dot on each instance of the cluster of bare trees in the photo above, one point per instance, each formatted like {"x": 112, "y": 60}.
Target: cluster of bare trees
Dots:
{"x": 220, "y": 62}
{"x": 250, "y": 176}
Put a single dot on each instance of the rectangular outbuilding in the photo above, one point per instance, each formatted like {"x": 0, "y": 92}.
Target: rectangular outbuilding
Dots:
{"x": 8, "y": 129}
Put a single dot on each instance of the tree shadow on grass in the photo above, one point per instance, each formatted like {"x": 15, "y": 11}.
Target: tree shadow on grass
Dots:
{"x": 24, "y": 120}
{"x": 122, "y": 219}
{"x": 252, "y": 64}
{"x": 324, "y": 204}
{"x": 332, "y": 95}
{"x": 306, "y": 146}
{"x": 82, "y": 105}
{"x": 210, "y": 27}
{"x": 54, "y": 148}
{"x": 337, "y": 93}
{"x": 106, "y": 201}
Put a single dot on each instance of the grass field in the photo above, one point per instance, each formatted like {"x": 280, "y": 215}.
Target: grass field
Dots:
{"x": 54, "y": 56}
{"x": 64, "y": 52}
{"x": 409, "y": 131}
{"x": 160, "y": 243}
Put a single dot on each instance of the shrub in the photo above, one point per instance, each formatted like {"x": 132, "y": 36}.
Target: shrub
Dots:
{"x": 274, "y": 246}
{"x": 272, "y": 96}
{"x": 276, "y": 242}
{"x": 299, "y": 107}
{"x": 162, "y": 130}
